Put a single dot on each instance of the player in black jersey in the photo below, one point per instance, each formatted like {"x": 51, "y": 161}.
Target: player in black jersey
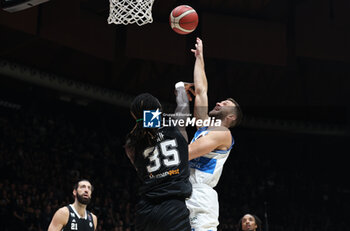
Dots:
{"x": 75, "y": 216}
{"x": 160, "y": 156}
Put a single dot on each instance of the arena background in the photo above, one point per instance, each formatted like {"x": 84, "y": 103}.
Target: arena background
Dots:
{"x": 67, "y": 78}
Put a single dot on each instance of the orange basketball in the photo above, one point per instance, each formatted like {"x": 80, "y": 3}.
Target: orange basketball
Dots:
{"x": 183, "y": 19}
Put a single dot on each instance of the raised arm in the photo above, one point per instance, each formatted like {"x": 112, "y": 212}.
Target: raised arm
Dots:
{"x": 182, "y": 110}
{"x": 200, "y": 83}
{"x": 59, "y": 220}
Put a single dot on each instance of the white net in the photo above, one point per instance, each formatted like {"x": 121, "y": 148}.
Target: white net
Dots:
{"x": 130, "y": 11}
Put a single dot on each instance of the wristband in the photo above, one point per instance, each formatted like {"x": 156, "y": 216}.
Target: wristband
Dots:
{"x": 179, "y": 84}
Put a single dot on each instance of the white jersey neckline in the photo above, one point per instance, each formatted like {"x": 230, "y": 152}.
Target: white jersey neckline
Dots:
{"x": 76, "y": 213}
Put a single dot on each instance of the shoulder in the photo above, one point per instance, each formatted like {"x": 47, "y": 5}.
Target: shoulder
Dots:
{"x": 94, "y": 218}
{"x": 64, "y": 211}
{"x": 61, "y": 217}
{"x": 219, "y": 135}
{"x": 166, "y": 129}
{"x": 222, "y": 135}
{"x": 170, "y": 131}
{"x": 220, "y": 131}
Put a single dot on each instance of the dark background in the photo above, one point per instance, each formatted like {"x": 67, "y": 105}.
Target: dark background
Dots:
{"x": 286, "y": 63}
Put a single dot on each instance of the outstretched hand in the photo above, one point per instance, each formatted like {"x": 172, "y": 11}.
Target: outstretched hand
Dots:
{"x": 189, "y": 90}
{"x": 199, "y": 48}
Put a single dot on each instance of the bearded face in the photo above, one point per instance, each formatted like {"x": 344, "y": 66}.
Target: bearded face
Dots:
{"x": 83, "y": 192}
{"x": 217, "y": 114}
{"x": 222, "y": 109}
{"x": 83, "y": 199}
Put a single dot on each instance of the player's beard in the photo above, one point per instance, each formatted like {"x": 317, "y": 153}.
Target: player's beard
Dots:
{"x": 216, "y": 114}
{"x": 82, "y": 200}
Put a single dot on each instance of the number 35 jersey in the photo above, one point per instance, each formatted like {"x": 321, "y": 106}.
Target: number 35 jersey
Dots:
{"x": 164, "y": 168}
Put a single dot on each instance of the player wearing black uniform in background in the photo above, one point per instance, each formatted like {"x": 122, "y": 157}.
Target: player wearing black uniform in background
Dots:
{"x": 75, "y": 216}
{"x": 160, "y": 156}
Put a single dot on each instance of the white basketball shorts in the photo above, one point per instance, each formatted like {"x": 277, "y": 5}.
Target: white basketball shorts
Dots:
{"x": 204, "y": 208}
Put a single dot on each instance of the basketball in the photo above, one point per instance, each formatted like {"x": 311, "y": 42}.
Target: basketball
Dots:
{"x": 183, "y": 19}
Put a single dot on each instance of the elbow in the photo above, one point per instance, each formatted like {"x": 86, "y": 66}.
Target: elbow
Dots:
{"x": 191, "y": 153}
{"x": 200, "y": 90}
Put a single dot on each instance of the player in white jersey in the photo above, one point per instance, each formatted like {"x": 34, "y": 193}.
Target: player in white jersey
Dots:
{"x": 209, "y": 149}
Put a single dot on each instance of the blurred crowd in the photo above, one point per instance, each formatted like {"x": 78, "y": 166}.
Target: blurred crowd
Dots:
{"x": 44, "y": 152}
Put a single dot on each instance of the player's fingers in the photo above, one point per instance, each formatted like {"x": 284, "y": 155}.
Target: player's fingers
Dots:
{"x": 192, "y": 91}
{"x": 188, "y": 85}
{"x": 189, "y": 97}
{"x": 188, "y": 89}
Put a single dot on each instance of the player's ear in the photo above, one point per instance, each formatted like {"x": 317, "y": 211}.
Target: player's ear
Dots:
{"x": 74, "y": 192}
{"x": 232, "y": 117}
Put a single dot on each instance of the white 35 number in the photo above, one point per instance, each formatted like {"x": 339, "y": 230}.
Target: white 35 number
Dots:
{"x": 168, "y": 150}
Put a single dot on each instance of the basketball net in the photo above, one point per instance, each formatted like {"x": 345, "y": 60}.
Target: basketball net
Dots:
{"x": 130, "y": 11}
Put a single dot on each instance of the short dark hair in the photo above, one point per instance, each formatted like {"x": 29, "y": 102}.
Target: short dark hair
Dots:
{"x": 257, "y": 222}
{"x": 238, "y": 112}
{"x": 76, "y": 185}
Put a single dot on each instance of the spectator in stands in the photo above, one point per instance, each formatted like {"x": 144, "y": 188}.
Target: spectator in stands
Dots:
{"x": 249, "y": 223}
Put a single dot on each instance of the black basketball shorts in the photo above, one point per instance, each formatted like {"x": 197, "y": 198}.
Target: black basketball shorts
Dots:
{"x": 166, "y": 215}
